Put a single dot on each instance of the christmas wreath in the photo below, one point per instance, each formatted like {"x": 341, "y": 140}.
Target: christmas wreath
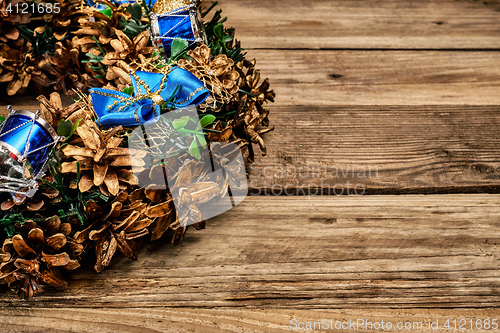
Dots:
{"x": 160, "y": 94}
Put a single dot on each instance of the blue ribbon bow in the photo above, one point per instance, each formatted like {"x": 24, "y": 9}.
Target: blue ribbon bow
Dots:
{"x": 151, "y": 91}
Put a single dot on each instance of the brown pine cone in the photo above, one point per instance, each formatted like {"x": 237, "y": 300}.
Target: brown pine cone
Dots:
{"x": 116, "y": 228}
{"x": 36, "y": 255}
{"x": 102, "y": 161}
{"x": 9, "y": 19}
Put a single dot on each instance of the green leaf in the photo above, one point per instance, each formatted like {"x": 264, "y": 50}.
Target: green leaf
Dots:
{"x": 131, "y": 30}
{"x": 146, "y": 7}
{"x": 218, "y": 30}
{"x": 2, "y": 119}
{"x": 180, "y": 123}
{"x": 207, "y": 120}
{"x": 206, "y": 11}
{"x": 178, "y": 46}
{"x": 227, "y": 39}
{"x": 94, "y": 58}
{"x": 27, "y": 34}
{"x": 128, "y": 90}
{"x": 202, "y": 140}
{"x": 73, "y": 129}
{"x": 64, "y": 127}
{"x": 135, "y": 10}
{"x": 194, "y": 150}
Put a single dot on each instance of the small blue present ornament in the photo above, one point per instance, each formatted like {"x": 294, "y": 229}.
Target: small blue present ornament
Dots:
{"x": 26, "y": 143}
{"x": 171, "y": 19}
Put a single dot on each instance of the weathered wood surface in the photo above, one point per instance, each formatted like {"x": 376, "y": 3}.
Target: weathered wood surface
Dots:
{"x": 378, "y": 150}
{"x": 269, "y": 320}
{"x": 327, "y": 127}
{"x": 407, "y": 87}
{"x": 375, "y": 149}
{"x": 365, "y": 24}
{"x": 375, "y": 253}
{"x": 325, "y": 77}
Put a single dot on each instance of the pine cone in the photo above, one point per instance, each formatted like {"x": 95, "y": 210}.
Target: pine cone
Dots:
{"x": 217, "y": 74}
{"x": 60, "y": 69}
{"x": 251, "y": 114}
{"x": 102, "y": 162}
{"x": 36, "y": 254}
{"x": 116, "y": 229}
{"x": 9, "y": 21}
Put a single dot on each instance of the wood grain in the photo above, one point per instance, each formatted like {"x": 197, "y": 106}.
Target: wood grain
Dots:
{"x": 379, "y": 150}
{"x": 373, "y": 252}
{"x": 391, "y": 24}
{"x": 407, "y": 87}
{"x": 391, "y": 149}
{"x": 139, "y": 320}
{"x": 312, "y": 78}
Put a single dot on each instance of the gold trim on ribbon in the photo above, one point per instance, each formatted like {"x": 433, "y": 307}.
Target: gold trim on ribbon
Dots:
{"x": 191, "y": 95}
{"x": 157, "y": 99}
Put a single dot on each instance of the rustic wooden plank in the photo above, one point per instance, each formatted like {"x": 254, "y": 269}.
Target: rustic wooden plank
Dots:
{"x": 381, "y": 77}
{"x": 229, "y": 320}
{"x": 312, "y": 77}
{"x": 380, "y": 252}
{"x": 379, "y": 149}
{"x": 392, "y": 24}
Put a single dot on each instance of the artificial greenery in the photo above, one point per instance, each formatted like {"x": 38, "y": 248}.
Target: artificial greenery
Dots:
{"x": 41, "y": 43}
{"x": 134, "y": 26}
{"x": 220, "y": 39}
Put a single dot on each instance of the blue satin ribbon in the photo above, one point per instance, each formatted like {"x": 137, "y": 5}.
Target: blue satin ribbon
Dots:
{"x": 117, "y": 108}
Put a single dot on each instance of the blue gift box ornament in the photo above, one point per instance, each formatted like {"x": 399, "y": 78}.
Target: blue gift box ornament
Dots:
{"x": 171, "y": 19}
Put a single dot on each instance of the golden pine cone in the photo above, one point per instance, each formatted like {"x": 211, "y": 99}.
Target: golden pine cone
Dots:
{"x": 116, "y": 228}
{"x": 36, "y": 254}
{"x": 102, "y": 162}
{"x": 217, "y": 74}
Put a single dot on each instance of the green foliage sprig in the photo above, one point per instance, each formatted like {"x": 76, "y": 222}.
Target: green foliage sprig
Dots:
{"x": 133, "y": 27}
{"x": 220, "y": 39}
{"x": 41, "y": 43}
